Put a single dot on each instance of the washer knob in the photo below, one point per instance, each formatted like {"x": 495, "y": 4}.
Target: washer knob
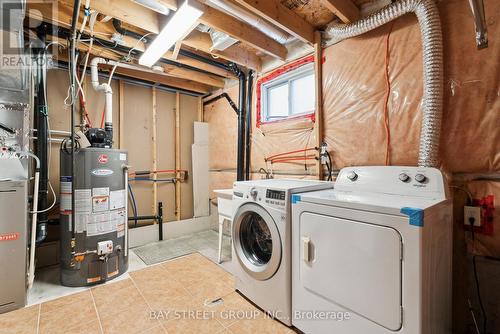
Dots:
{"x": 420, "y": 178}
{"x": 254, "y": 193}
{"x": 352, "y": 176}
{"x": 404, "y": 177}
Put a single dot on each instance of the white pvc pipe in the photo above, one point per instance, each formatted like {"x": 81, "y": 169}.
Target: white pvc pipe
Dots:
{"x": 34, "y": 216}
{"x": 104, "y": 87}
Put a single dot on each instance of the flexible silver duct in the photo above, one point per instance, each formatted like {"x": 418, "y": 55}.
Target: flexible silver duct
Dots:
{"x": 255, "y": 21}
{"x": 432, "y": 50}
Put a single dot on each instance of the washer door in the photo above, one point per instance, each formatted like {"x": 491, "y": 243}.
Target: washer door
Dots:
{"x": 257, "y": 242}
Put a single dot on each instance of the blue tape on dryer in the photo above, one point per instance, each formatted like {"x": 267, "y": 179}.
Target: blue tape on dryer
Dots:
{"x": 416, "y": 216}
{"x": 295, "y": 199}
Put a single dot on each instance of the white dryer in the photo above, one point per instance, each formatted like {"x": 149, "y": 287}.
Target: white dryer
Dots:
{"x": 374, "y": 255}
{"x": 262, "y": 242}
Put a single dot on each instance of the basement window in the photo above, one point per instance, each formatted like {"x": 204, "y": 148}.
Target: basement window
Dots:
{"x": 287, "y": 93}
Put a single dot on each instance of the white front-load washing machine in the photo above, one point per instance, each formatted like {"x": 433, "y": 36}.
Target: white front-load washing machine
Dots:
{"x": 374, "y": 254}
{"x": 262, "y": 242}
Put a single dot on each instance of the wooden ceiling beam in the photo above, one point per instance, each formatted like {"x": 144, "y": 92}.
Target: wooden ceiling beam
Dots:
{"x": 242, "y": 32}
{"x": 236, "y": 53}
{"x": 126, "y": 11}
{"x": 345, "y": 10}
{"x": 282, "y": 17}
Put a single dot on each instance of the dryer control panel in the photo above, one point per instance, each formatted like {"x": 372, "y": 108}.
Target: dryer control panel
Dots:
{"x": 415, "y": 181}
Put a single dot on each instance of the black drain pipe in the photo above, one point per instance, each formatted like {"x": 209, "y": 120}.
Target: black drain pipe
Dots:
{"x": 41, "y": 111}
{"x": 223, "y": 96}
{"x": 240, "y": 161}
{"x": 248, "y": 124}
{"x": 72, "y": 50}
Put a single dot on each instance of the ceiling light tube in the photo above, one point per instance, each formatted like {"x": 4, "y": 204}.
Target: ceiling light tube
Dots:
{"x": 180, "y": 25}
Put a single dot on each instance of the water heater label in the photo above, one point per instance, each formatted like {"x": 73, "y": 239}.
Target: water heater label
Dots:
{"x": 102, "y": 172}
{"x": 117, "y": 199}
{"x": 123, "y": 156}
{"x": 100, "y": 203}
{"x": 83, "y": 201}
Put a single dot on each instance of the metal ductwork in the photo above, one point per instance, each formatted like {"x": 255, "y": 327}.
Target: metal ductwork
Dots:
{"x": 432, "y": 45}
{"x": 255, "y": 21}
{"x": 153, "y": 5}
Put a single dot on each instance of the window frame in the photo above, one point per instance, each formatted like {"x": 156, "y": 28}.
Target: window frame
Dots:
{"x": 285, "y": 75}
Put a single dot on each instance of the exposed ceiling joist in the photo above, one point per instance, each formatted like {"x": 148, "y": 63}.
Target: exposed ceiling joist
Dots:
{"x": 242, "y": 32}
{"x": 126, "y": 11}
{"x": 279, "y": 15}
{"x": 345, "y": 10}
{"x": 235, "y": 53}
{"x": 63, "y": 19}
{"x": 142, "y": 72}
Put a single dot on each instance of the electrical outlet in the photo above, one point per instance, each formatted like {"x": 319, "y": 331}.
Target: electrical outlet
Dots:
{"x": 472, "y": 213}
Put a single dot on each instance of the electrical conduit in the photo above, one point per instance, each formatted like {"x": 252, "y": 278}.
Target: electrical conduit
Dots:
{"x": 432, "y": 45}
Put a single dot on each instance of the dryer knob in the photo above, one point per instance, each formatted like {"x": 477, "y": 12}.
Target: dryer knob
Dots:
{"x": 352, "y": 176}
{"x": 420, "y": 178}
{"x": 404, "y": 177}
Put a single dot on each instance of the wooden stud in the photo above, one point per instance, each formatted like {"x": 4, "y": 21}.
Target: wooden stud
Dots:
{"x": 121, "y": 120}
{"x": 200, "y": 109}
{"x": 242, "y": 32}
{"x": 177, "y": 155}
{"x": 345, "y": 10}
{"x": 318, "y": 70}
{"x": 282, "y": 17}
{"x": 155, "y": 152}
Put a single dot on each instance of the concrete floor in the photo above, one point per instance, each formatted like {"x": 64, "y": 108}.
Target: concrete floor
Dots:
{"x": 190, "y": 294}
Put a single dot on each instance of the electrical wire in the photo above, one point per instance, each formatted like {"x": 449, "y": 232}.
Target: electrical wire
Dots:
{"x": 329, "y": 166}
{"x": 478, "y": 290}
{"x": 386, "y": 100}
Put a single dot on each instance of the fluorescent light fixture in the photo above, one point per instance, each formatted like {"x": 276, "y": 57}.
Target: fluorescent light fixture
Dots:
{"x": 180, "y": 25}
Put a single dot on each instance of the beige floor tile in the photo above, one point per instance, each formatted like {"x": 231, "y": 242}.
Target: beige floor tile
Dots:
{"x": 152, "y": 274}
{"x": 163, "y": 298}
{"x": 211, "y": 289}
{"x": 155, "y": 330}
{"x": 232, "y": 308}
{"x": 56, "y": 304}
{"x": 261, "y": 325}
{"x": 60, "y": 319}
{"x": 118, "y": 300}
{"x": 134, "y": 319}
{"x": 194, "y": 322}
{"x": 178, "y": 308}
{"x": 22, "y": 321}
{"x": 86, "y": 328}
{"x": 111, "y": 287}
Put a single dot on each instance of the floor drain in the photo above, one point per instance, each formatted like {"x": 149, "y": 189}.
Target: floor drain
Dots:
{"x": 213, "y": 302}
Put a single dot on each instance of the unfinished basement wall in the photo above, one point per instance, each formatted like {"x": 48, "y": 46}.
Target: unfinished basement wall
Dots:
{"x": 137, "y": 137}
{"x": 354, "y": 89}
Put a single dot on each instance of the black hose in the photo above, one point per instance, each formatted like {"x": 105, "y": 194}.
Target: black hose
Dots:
{"x": 330, "y": 167}
{"x": 134, "y": 204}
{"x": 117, "y": 24}
{"x": 221, "y": 96}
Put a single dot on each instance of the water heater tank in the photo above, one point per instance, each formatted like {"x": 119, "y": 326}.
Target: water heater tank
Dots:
{"x": 100, "y": 241}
